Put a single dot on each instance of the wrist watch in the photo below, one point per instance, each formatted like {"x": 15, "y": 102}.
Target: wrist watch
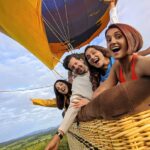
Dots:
{"x": 59, "y": 134}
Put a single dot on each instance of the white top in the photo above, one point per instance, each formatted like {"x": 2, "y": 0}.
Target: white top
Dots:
{"x": 81, "y": 87}
{"x": 113, "y": 15}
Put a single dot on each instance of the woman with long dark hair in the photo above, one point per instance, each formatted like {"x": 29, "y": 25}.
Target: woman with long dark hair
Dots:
{"x": 62, "y": 89}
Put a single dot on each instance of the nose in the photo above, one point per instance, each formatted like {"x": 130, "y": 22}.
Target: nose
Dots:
{"x": 75, "y": 67}
{"x": 113, "y": 40}
{"x": 92, "y": 57}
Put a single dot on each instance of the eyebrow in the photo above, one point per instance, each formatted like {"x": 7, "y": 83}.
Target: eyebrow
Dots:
{"x": 118, "y": 32}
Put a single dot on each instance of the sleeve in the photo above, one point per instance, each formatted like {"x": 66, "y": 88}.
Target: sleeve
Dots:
{"x": 113, "y": 15}
{"x": 69, "y": 118}
{"x": 81, "y": 87}
{"x": 46, "y": 103}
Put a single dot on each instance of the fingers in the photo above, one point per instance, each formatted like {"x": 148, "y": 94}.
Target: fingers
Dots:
{"x": 77, "y": 105}
{"x": 75, "y": 102}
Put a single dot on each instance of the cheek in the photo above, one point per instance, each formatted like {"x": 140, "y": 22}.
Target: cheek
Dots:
{"x": 108, "y": 46}
{"x": 124, "y": 42}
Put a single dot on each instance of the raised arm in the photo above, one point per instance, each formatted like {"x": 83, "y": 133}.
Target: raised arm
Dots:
{"x": 81, "y": 87}
{"x": 113, "y": 12}
{"x": 144, "y": 52}
{"x": 68, "y": 120}
{"x": 142, "y": 66}
{"x": 46, "y": 103}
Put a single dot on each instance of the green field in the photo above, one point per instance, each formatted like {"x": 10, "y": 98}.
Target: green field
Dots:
{"x": 35, "y": 142}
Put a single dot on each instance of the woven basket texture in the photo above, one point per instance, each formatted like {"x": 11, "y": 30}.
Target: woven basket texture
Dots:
{"x": 129, "y": 133}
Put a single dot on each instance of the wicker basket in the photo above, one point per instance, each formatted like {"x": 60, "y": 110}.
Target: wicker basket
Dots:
{"x": 129, "y": 133}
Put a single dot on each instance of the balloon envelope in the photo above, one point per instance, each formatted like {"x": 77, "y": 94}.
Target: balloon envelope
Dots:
{"x": 50, "y": 28}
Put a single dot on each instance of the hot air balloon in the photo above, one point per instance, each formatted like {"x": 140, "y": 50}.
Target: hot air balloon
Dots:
{"x": 50, "y": 28}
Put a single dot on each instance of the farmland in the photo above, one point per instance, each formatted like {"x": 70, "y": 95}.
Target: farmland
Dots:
{"x": 33, "y": 142}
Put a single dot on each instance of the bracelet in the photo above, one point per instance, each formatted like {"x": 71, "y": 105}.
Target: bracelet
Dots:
{"x": 59, "y": 134}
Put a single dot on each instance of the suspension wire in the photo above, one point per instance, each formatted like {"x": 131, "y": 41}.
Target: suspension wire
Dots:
{"x": 50, "y": 27}
{"x": 54, "y": 71}
{"x": 22, "y": 90}
{"x": 56, "y": 33}
{"x": 58, "y": 36}
{"x": 57, "y": 59}
{"x": 55, "y": 21}
{"x": 53, "y": 29}
{"x": 67, "y": 20}
{"x": 69, "y": 43}
{"x": 60, "y": 18}
{"x": 70, "y": 47}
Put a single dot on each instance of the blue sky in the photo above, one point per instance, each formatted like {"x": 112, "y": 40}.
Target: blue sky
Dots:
{"x": 19, "y": 69}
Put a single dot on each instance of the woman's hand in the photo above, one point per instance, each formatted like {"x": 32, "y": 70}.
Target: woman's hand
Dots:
{"x": 80, "y": 102}
{"x": 53, "y": 144}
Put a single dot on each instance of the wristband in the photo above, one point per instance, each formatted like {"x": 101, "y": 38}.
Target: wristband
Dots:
{"x": 59, "y": 134}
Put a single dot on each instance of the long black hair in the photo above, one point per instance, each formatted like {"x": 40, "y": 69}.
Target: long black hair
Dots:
{"x": 95, "y": 72}
{"x": 63, "y": 100}
{"x": 101, "y": 49}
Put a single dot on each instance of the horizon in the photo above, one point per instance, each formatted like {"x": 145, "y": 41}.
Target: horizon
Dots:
{"x": 29, "y": 134}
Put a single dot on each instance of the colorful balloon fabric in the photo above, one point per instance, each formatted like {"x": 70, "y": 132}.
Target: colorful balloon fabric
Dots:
{"x": 50, "y": 28}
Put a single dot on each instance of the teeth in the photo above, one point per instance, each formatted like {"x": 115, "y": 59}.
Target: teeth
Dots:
{"x": 96, "y": 59}
{"x": 115, "y": 48}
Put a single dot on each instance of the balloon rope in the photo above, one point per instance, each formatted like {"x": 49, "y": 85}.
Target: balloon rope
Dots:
{"x": 21, "y": 90}
{"x": 54, "y": 21}
{"x": 59, "y": 37}
{"x": 58, "y": 73}
{"x": 57, "y": 59}
{"x": 60, "y": 18}
{"x": 57, "y": 34}
{"x": 67, "y": 22}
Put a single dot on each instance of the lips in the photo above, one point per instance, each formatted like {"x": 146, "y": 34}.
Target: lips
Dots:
{"x": 63, "y": 89}
{"x": 115, "y": 49}
{"x": 96, "y": 60}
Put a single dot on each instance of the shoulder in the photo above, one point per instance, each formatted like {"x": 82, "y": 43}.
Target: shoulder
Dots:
{"x": 81, "y": 77}
{"x": 142, "y": 59}
{"x": 142, "y": 64}
{"x": 81, "y": 80}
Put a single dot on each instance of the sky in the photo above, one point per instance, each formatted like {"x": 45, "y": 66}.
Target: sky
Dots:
{"x": 19, "y": 69}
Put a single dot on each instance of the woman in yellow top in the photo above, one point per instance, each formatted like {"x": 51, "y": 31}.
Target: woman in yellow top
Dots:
{"x": 62, "y": 91}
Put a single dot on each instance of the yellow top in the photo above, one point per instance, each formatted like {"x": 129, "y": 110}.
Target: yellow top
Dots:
{"x": 43, "y": 102}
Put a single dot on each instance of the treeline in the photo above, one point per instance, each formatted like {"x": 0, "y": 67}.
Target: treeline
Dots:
{"x": 35, "y": 142}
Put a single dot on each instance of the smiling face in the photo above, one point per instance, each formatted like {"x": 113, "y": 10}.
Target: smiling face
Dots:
{"x": 95, "y": 57}
{"x": 77, "y": 66}
{"x": 117, "y": 43}
{"x": 61, "y": 87}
